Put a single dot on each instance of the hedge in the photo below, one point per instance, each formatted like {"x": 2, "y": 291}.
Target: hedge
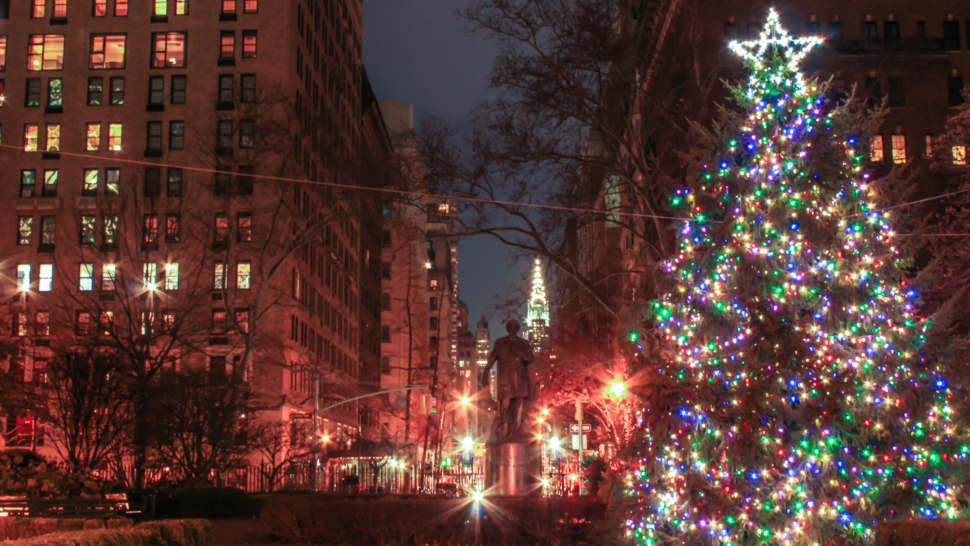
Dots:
{"x": 923, "y": 532}
{"x": 21, "y": 528}
{"x": 162, "y": 533}
{"x": 207, "y": 503}
{"x": 390, "y": 522}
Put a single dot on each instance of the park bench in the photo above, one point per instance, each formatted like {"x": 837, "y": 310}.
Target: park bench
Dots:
{"x": 115, "y": 505}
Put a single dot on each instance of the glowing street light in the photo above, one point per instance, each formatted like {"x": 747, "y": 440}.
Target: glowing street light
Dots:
{"x": 465, "y": 401}
{"x": 477, "y": 496}
{"x": 618, "y": 388}
{"x": 467, "y": 443}
{"x": 554, "y": 443}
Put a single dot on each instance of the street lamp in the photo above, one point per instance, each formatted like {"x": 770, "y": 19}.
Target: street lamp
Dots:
{"x": 618, "y": 388}
{"x": 465, "y": 401}
{"x": 467, "y": 443}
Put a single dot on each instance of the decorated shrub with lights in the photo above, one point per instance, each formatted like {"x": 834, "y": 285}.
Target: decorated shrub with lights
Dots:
{"x": 798, "y": 407}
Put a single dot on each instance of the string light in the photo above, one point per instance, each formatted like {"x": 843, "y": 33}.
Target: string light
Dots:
{"x": 805, "y": 409}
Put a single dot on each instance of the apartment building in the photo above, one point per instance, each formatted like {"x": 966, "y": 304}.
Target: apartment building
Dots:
{"x": 165, "y": 164}
{"x": 419, "y": 300}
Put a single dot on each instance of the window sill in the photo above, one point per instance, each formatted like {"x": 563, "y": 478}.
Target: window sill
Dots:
{"x": 106, "y": 297}
{"x": 155, "y": 108}
{"x": 220, "y": 106}
{"x": 58, "y": 20}
{"x": 159, "y": 18}
{"x": 228, "y": 17}
{"x": 153, "y": 153}
{"x": 218, "y": 341}
{"x": 227, "y": 62}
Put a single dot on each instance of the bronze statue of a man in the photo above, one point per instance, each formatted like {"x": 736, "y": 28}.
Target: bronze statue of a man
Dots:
{"x": 514, "y": 355}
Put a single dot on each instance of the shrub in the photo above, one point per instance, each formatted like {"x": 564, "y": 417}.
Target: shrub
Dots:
{"x": 162, "y": 533}
{"x": 21, "y": 528}
{"x": 387, "y": 522}
{"x": 26, "y": 474}
{"x": 206, "y": 502}
{"x": 923, "y": 531}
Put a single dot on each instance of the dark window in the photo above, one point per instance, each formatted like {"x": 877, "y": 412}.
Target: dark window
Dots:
{"x": 248, "y": 88}
{"x": 222, "y": 228}
{"x": 154, "y": 135}
{"x": 156, "y": 90}
{"x": 731, "y": 31}
{"x": 385, "y": 365}
{"x": 153, "y": 182}
{"x": 225, "y": 135}
{"x": 33, "y": 92}
{"x": 385, "y": 270}
{"x": 118, "y": 91}
{"x": 95, "y": 91}
{"x": 175, "y": 182}
{"x": 178, "y": 89}
{"x": 921, "y": 31}
{"x": 951, "y": 36}
{"x": 753, "y": 30}
{"x": 247, "y": 134}
{"x": 433, "y": 304}
{"x": 112, "y": 184}
{"x": 874, "y": 90}
{"x": 223, "y": 182}
{"x": 244, "y": 227}
{"x": 48, "y": 227}
{"x": 249, "y": 44}
{"x": 835, "y": 30}
{"x": 176, "y": 135}
{"x": 813, "y": 28}
{"x": 897, "y": 94}
{"x": 869, "y": 30}
{"x": 225, "y": 88}
{"x": 385, "y": 333}
{"x": 173, "y": 228}
{"x": 954, "y": 89}
{"x": 890, "y": 31}
{"x": 386, "y": 238}
{"x": 50, "y": 183}
{"x": 245, "y": 180}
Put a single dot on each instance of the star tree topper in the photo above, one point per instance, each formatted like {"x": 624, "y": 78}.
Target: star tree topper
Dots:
{"x": 775, "y": 38}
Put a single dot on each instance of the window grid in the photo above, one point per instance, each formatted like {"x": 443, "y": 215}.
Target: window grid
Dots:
{"x": 93, "y": 140}
{"x": 249, "y": 44}
{"x": 176, "y": 135}
{"x": 899, "y": 149}
{"x": 178, "y": 89}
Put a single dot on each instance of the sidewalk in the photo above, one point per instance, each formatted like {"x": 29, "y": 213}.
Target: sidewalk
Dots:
{"x": 240, "y": 532}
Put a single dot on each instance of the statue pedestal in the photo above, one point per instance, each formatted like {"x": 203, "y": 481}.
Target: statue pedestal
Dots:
{"x": 513, "y": 468}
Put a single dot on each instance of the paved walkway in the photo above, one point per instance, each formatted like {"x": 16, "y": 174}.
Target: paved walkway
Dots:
{"x": 241, "y": 532}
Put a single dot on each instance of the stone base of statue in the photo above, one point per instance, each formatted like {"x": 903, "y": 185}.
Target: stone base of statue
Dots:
{"x": 513, "y": 468}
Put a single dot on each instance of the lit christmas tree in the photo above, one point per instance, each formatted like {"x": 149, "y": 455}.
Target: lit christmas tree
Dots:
{"x": 798, "y": 408}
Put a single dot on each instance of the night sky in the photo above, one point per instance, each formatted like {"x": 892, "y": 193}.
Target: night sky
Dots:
{"x": 417, "y": 52}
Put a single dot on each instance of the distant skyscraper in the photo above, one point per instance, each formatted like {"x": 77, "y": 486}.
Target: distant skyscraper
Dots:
{"x": 482, "y": 343}
{"x": 537, "y": 317}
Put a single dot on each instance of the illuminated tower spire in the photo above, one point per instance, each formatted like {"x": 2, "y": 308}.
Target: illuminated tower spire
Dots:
{"x": 537, "y": 317}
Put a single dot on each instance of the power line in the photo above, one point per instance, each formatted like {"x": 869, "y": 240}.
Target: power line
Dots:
{"x": 365, "y": 188}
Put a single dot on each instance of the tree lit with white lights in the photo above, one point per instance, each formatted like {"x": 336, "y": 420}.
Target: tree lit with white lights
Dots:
{"x": 799, "y": 409}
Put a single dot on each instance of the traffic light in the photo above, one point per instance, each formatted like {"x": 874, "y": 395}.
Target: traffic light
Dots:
{"x": 434, "y": 405}
{"x": 446, "y": 462}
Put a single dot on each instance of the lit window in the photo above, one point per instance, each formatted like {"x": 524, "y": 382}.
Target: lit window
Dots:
{"x": 222, "y": 228}
{"x": 100, "y": 8}
{"x": 899, "y": 149}
{"x": 50, "y": 183}
{"x": 228, "y": 6}
{"x": 30, "y": 137}
{"x": 83, "y": 322}
{"x": 959, "y": 155}
{"x": 227, "y": 44}
{"x": 249, "y": 44}
{"x": 55, "y": 92}
{"x": 86, "y": 277}
{"x": 53, "y": 137}
{"x": 121, "y": 8}
{"x": 94, "y": 137}
{"x": 42, "y": 327}
{"x": 443, "y": 208}
{"x": 3, "y": 53}
{"x": 112, "y": 184}
{"x": 161, "y": 8}
{"x": 150, "y": 228}
{"x": 28, "y": 183}
{"x": 23, "y": 277}
{"x": 242, "y": 318}
{"x": 90, "y": 184}
{"x": 37, "y": 8}
{"x": 110, "y": 236}
{"x": 173, "y": 228}
{"x": 89, "y": 224}
{"x": 95, "y": 91}
{"x": 149, "y": 276}
{"x": 107, "y": 318}
{"x": 20, "y": 324}
{"x": 168, "y": 322}
{"x": 243, "y": 275}
{"x": 108, "y": 276}
{"x": 244, "y": 227}
{"x": 147, "y": 320}
{"x": 219, "y": 321}
{"x": 45, "y": 52}
{"x": 60, "y": 9}
{"x": 174, "y": 182}
{"x": 181, "y": 7}
{"x": 46, "y": 278}
{"x": 172, "y": 277}
{"x": 168, "y": 50}
{"x": 25, "y": 230}
{"x": 250, "y": 6}
{"x": 48, "y": 228}
{"x": 876, "y": 150}
{"x": 220, "y": 276}
{"x": 929, "y": 143}
{"x": 114, "y": 136}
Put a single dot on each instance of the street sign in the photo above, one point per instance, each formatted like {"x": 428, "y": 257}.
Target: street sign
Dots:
{"x": 574, "y": 428}
{"x": 575, "y": 438}
{"x": 295, "y": 416}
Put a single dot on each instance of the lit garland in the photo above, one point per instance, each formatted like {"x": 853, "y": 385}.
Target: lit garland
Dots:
{"x": 805, "y": 410}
